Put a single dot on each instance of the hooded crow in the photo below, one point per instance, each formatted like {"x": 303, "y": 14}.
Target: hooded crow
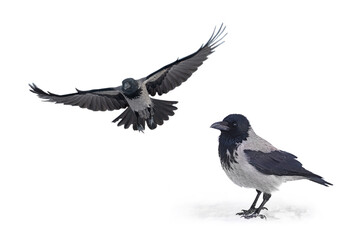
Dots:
{"x": 252, "y": 162}
{"x": 134, "y": 95}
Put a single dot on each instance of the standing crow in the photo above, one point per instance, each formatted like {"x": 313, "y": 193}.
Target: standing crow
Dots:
{"x": 134, "y": 94}
{"x": 252, "y": 162}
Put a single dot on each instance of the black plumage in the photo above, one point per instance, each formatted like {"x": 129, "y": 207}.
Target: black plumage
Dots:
{"x": 96, "y": 100}
{"x": 281, "y": 163}
{"x": 134, "y": 95}
{"x": 174, "y": 74}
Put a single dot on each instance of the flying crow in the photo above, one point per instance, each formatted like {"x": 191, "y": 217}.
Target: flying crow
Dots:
{"x": 134, "y": 95}
{"x": 252, "y": 162}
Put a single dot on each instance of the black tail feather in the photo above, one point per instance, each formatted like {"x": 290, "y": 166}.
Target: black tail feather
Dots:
{"x": 151, "y": 123}
{"x": 161, "y": 112}
{"x": 127, "y": 118}
{"x": 141, "y": 124}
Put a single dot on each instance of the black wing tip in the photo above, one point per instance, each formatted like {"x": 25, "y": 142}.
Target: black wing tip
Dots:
{"x": 320, "y": 180}
{"x": 327, "y": 184}
{"x": 217, "y": 36}
{"x": 35, "y": 89}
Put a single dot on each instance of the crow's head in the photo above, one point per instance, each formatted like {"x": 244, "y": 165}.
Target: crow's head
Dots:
{"x": 130, "y": 88}
{"x": 234, "y": 125}
{"x": 129, "y": 85}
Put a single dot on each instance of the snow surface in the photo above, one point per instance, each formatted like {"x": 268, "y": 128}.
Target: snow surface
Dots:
{"x": 292, "y": 67}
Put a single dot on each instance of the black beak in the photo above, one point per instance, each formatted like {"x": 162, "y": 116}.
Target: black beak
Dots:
{"x": 223, "y": 126}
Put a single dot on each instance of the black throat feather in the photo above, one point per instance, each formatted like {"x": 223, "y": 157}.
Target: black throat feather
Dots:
{"x": 134, "y": 95}
{"x": 227, "y": 149}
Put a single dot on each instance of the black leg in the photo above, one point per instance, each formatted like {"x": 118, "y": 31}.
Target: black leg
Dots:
{"x": 252, "y": 209}
{"x": 266, "y": 197}
{"x": 140, "y": 127}
{"x": 150, "y": 120}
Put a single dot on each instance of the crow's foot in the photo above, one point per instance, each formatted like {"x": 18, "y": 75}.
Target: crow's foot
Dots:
{"x": 246, "y": 212}
{"x": 140, "y": 128}
{"x": 249, "y": 212}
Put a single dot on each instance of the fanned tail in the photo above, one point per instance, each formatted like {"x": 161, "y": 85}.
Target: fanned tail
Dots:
{"x": 159, "y": 113}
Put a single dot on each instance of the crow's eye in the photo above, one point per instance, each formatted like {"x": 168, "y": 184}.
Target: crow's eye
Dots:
{"x": 234, "y": 124}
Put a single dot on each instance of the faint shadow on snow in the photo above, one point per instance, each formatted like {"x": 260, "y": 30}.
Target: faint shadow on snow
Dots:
{"x": 227, "y": 211}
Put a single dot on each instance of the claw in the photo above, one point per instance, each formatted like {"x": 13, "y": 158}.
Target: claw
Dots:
{"x": 255, "y": 215}
{"x": 140, "y": 128}
{"x": 246, "y": 212}
{"x": 250, "y": 211}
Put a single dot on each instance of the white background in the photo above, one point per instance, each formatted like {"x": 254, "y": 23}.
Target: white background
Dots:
{"x": 292, "y": 67}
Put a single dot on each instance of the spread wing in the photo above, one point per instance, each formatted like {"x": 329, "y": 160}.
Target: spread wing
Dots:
{"x": 96, "y": 100}
{"x": 278, "y": 163}
{"x": 172, "y": 75}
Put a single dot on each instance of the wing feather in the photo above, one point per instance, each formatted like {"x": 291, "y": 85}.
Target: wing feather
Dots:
{"x": 96, "y": 100}
{"x": 173, "y": 75}
{"x": 278, "y": 163}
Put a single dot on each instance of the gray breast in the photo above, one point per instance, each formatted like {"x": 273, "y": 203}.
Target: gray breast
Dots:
{"x": 140, "y": 103}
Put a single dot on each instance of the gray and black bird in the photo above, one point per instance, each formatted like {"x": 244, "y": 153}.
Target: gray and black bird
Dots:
{"x": 252, "y": 162}
{"x": 134, "y": 95}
